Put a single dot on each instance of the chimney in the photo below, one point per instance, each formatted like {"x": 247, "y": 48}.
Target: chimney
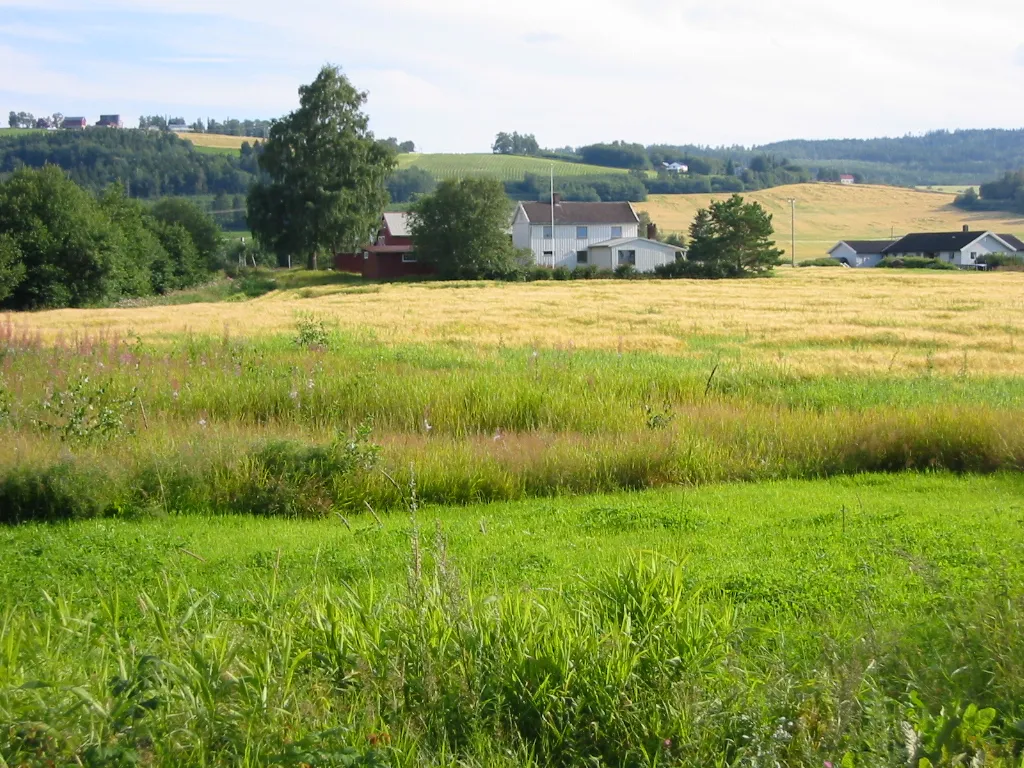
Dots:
{"x": 556, "y": 198}
{"x": 652, "y": 231}
{"x": 967, "y": 227}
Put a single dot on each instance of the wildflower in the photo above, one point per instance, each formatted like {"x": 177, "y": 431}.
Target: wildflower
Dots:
{"x": 202, "y": 423}
{"x": 294, "y": 394}
{"x": 309, "y": 384}
{"x": 827, "y": 764}
{"x": 667, "y": 743}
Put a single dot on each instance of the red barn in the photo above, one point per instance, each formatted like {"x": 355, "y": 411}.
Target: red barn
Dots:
{"x": 393, "y": 255}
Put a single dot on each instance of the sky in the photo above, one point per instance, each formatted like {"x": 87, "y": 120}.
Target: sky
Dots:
{"x": 450, "y": 74}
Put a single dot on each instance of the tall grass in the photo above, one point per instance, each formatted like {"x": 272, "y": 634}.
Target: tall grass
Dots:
{"x": 102, "y": 426}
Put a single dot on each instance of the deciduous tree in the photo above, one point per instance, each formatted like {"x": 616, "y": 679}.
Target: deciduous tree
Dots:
{"x": 461, "y": 229}
{"x": 325, "y": 174}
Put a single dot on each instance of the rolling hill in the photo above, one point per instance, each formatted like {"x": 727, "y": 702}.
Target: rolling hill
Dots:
{"x": 827, "y": 213}
{"x": 503, "y": 167}
{"x": 442, "y": 166}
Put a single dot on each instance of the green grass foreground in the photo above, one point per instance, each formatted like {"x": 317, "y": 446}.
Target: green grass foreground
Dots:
{"x": 869, "y": 621}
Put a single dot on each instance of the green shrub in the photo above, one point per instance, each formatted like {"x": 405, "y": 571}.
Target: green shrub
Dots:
{"x": 997, "y": 260}
{"x": 626, "y": 272}
{"x": 61, "y": 491}
{"x": 540, "y": 273}
{"x": 587, "y": 272}
{"x": 825, "y": 261}
{"x": 914, "y": 262}
{"x": 312, "y": 332}
{"x": 561, "y": 273}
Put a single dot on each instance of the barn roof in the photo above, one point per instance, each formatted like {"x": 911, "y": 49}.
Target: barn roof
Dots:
{"x": 581, "y": 213}
{"x": 398, "y": 223}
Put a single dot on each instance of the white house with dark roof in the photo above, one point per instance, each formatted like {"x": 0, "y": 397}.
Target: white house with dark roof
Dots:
{"x": 572, "y": 234}
{"x": 859, "y": 253}
{"x": 965, "y": 249}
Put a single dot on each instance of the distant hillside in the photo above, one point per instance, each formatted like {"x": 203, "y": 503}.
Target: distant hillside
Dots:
{"x": 503, "y": 167}
{"x": 827, "y": 213}
{"x": 937, "y": 158}
{"x": 150, "y": 164}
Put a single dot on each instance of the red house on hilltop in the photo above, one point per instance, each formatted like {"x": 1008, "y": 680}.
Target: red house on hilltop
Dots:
{"x": 392, "y": 255}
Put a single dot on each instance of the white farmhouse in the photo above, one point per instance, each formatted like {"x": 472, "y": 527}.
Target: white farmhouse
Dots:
{"x": 571, "y": 235}
{"x": 965, "y": 249}
{"x": 859, "y": 253}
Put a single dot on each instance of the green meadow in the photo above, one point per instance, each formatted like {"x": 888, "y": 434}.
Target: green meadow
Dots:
{"x": 868, "y": 621}
{"x": 321, "y": 547}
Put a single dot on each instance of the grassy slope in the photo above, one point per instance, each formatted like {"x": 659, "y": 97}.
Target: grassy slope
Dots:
{"x": 503, "y": 167}
{"x": 817, "y": 606}
{"x": 827, "y": 213}
{"x": 441, "y": 166}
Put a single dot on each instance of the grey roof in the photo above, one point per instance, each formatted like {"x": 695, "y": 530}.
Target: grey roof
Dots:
{"x": 934, "y": 242}
{"x": 398, "y": 223}
{"x": 867, "y": 246}
{"x": 581, "y": 213}
{"x": 616, "y": 242}
{"x": 1013, "y": 240}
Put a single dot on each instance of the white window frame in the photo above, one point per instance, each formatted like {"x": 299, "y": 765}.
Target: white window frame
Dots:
{"x": 582, "y": 257}
{"x": 622, "y": 254}
{"x": 616, "y": 233}
{"x": 409, "y": 258}
{"x": 548, "y": 232}
{"x": 585, "y": 232}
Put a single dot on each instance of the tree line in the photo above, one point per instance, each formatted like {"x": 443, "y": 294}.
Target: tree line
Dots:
{"x": 148, "y": 164}
{"x": 1003, "y": 194}
{"x": 63, "y": 246}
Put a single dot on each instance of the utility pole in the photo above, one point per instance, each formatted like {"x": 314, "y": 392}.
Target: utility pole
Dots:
{"x": 552, "y": 215}
{"x": 792, "y": 229}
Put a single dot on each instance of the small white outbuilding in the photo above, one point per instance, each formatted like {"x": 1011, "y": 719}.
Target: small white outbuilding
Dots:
{"x": 638, "y": 252}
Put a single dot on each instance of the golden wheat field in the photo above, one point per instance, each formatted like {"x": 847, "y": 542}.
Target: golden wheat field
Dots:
{"x": 216, "y": 140}
{"x": 813, "y": 320}
{"x": 827, "y": 213}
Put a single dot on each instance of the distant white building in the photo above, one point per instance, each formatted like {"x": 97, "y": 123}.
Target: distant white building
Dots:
{"x": 676, "y": 167}
{"x": 965, "y": 249}
{"x": 847, "y": 179}
{"x": 859, "y": 253}
{"x": 604, "y": 235}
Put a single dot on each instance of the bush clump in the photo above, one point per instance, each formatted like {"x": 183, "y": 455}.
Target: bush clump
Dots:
{"x": 914, "y": 262}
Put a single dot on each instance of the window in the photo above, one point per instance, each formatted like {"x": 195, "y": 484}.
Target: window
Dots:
{"x": 582, "y": 257}
{"x": 627, "y": 257}
{"x": 616, "y": 232}
{"x": 581, "y": 233}
{"x": 549, "y": 254}
{"x": 974, "y": 255}
{"x": 548, "y": 234}
{"x": 408, "y": 258}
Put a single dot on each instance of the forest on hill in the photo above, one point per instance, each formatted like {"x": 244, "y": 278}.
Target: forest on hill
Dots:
{"x": 149, "y": 164}
{"x": 935, "y": 158}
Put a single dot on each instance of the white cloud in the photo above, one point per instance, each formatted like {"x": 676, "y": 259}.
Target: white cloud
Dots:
{"x": 450, "y": 73}
{"x": 35, "y": 32}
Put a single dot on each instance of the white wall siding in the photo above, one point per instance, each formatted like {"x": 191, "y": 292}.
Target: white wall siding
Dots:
{"x": 565, "y": 244}
{"x": 986, "y": 245}
{"x": 648, "y": 255}
{"x": 520, "y": 230}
